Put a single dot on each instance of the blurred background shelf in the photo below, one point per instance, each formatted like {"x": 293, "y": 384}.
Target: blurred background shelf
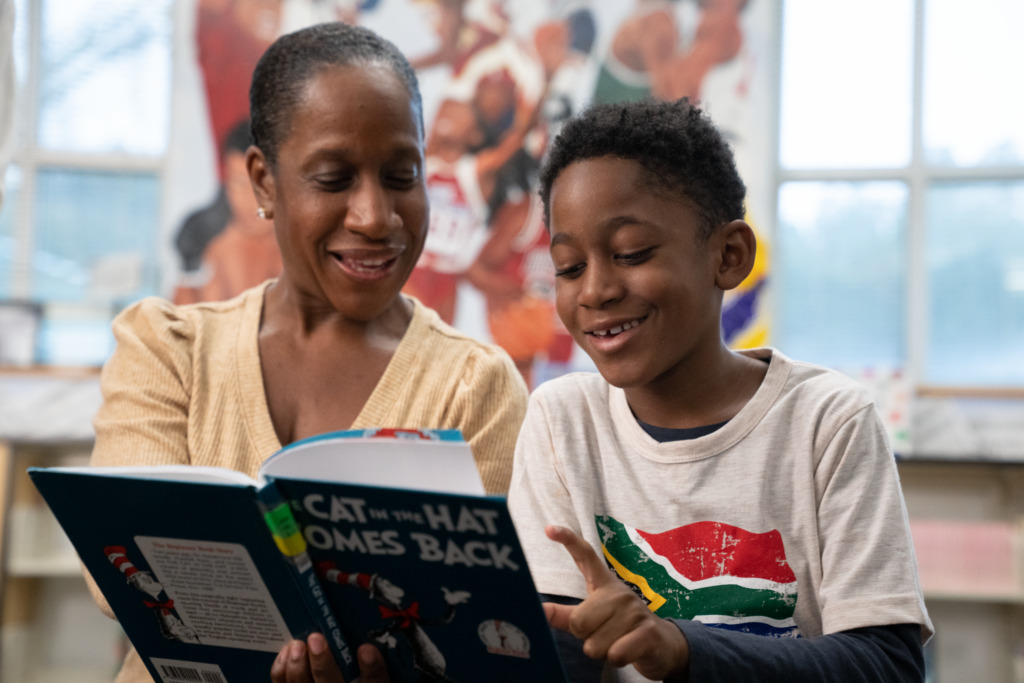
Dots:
{"x": 978, "y": 596}
{"x": 52, "y": 631}
{"x": 967, "y": 518}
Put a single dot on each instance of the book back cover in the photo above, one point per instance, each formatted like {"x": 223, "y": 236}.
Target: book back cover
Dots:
{"x": 189, "y": 569}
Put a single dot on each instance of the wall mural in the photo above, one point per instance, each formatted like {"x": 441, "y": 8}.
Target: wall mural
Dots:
{"x": 498, "y": 79}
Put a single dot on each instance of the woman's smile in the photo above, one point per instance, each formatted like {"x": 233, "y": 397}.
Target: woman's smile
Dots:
{"x": 367, "y": 264}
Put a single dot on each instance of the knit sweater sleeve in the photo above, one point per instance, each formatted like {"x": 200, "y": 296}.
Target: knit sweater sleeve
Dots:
{"x": 144, "y": 416}
{"x": 489, "y": 406}
{"x": 146, "y": 386}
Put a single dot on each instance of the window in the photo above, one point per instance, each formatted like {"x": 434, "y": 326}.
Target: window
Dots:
{"x": 78, "y": 230}
{"x": 901, "y": 189}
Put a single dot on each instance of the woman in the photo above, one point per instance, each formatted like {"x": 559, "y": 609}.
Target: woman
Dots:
{"x": 337, "y": 165}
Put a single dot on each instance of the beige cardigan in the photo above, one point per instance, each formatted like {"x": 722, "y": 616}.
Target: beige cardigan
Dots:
{"x": 184, "y": 386}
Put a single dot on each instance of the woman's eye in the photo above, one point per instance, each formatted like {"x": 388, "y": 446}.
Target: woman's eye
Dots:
{"x": 403, "y": 180}
{"x": 333, "y": 182}
{"x": 636, "y": 256}
{"x": 403, "y": 177}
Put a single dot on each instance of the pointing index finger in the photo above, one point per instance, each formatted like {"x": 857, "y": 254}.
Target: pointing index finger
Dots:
{"x": 594, "y": 571}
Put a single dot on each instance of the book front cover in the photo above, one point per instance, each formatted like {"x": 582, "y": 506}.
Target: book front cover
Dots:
{"x": 437, "y": 582}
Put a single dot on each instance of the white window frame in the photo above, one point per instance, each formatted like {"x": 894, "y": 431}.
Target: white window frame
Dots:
{"x": 918, "y": 175}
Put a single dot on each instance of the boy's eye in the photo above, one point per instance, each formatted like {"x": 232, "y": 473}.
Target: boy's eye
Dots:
{"x": 636, "y": 256}
{"x": 571, "y": 272}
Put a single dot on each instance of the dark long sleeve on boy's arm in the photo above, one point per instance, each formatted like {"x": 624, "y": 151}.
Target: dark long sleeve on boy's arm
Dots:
{"x": 878, "y": 653}
{"x": 864, "y": 655}
{"x": 578, "y": 667}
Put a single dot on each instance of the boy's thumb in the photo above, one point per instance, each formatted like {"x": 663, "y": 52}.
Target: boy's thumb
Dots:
{"x": 558, "y": 615}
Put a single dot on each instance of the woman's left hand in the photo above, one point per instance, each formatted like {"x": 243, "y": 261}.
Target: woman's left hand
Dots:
{"x": 312, "y": 662}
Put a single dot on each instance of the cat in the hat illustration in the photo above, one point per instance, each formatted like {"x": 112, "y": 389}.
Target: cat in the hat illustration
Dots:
{"x": 407, "y": 622}
{"x": 171, "y": 627}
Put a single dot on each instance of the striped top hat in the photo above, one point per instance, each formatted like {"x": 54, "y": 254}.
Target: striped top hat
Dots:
{"x": 119, "y": 558}
{"x": 329, "y": 570}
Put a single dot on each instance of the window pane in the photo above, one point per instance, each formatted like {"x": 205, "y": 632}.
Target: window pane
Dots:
{"x": 973, "y": 114}
{"x": 106, "y": 76}
{"x": 20, "y": 52}
{"x": 20, "y": 40}
{"x": 76, "y": 336}
{"x": 841, "y": 249}
{"x": 847, "y": 69}
{"x": 976, "y": 283}
{"x": 8, "y": 246}
{"x": 95, "y": 237}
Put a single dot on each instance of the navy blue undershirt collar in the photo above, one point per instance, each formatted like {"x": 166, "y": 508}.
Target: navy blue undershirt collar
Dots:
{"x": 666, "y": 434}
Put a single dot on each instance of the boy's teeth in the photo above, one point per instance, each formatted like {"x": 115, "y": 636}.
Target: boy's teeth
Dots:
{"x": 618, "y": 328}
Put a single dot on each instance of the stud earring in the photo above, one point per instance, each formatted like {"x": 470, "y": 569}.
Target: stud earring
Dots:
{"x": 261, "y": 213}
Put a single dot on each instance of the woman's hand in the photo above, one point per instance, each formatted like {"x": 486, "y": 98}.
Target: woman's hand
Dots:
{"x": 312, "y": 662}
{"x": 613, "y": 623}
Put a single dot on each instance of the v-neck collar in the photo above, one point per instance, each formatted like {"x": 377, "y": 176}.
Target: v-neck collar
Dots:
{"x": 252, "y": 391}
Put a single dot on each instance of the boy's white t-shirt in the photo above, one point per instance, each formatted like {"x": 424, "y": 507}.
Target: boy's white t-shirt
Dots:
{"x": 787, "y": 521}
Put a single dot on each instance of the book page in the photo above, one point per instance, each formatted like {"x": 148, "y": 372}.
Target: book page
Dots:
{"x": 192, "y": 473}
{"x": 217, "y": 592}
{"x": 422, "y": 465}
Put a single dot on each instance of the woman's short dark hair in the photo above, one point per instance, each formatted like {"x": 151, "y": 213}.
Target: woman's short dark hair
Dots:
{"x": 676, "y": 143}
{"x": 295, "y": 58}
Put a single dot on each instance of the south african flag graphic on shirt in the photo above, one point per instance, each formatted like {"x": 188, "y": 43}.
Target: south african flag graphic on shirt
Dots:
{"x": 714, "y": 573}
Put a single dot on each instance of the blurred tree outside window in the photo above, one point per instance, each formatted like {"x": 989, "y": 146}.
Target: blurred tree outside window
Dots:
{"x": 78, "y": 232}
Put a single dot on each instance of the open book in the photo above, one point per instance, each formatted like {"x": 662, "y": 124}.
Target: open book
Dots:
{"x": 380, "y": 536}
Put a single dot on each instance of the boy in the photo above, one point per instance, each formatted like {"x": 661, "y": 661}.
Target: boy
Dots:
{"x": 734, "y": 495}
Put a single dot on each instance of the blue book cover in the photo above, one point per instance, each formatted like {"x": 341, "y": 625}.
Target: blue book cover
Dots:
{"x": 191, "y": 571}
{"x": 438, "y": 582}
{"x": 210, "y": 577}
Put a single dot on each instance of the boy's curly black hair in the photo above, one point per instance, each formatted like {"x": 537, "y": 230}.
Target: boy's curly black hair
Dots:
{"x": 675, "y": 142}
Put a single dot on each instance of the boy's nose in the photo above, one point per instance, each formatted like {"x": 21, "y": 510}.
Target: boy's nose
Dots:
{"x": 600, "y": 287}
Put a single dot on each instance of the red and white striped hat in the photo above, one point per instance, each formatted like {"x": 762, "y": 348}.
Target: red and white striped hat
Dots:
{"x": 329, "y": 570}
{"x": 119, "y": 558}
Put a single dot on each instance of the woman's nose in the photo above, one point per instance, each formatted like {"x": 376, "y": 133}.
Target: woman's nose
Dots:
{"x": 369, "y": 210}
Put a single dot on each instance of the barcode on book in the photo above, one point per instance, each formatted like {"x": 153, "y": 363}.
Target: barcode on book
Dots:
{"x": 175, "y": 671}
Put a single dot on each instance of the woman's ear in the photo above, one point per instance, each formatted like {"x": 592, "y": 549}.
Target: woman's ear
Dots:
{"x": 262, "y": 180}
{"x": 738, "y": 248}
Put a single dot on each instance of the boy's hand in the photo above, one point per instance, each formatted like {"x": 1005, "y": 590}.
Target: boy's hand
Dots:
{"x": 313, "y": 663}
{"x": 613, "y": 623}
